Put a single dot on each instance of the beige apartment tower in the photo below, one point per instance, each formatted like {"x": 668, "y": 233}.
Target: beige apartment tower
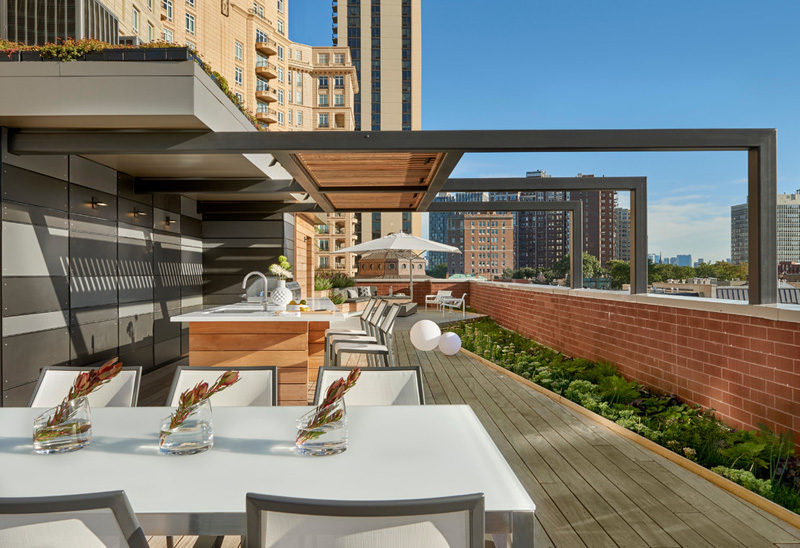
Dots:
{"x": 288, "y": 86}
{"x": 385, "y": 41}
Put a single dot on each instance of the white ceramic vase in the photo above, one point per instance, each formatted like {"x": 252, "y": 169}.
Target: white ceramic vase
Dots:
{"x": 281, "y": 296}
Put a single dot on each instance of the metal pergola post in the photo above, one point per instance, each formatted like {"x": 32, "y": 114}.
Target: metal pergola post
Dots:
{"x": 574, "y": 207}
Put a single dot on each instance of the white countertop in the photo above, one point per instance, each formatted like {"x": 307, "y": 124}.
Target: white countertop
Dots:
{"x": 253, "y": 312}
{"x": 394, "y": 452}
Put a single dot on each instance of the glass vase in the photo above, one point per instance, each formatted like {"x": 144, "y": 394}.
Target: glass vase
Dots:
{"x": 323, "y": 431}
{"x": 66, "y": 427}
{"x": 194, "y": 435}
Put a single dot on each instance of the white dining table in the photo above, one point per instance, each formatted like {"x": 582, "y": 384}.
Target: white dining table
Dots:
{"x": 394, "y": 452}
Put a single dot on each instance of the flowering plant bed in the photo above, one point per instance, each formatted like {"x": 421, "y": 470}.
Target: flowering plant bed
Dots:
{"x": 762, "y": 461}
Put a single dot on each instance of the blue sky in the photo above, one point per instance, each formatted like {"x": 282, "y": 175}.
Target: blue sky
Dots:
{"x": 560, "y": 64}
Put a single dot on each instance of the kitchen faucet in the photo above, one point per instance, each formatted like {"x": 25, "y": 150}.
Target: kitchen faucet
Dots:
{"x": 263, "y": 293}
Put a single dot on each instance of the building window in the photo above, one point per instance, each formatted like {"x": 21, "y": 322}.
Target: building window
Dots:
{"x": 191, "y": 45}
{"x": 338, "y": 58}
{"x": 261, "y": 36}
{"x": 135, "y": 22}
{"x": 280, "y": 26}
{"x": 190, "y": 23}
{"x": 298, "y": 97}
{"x": 289, "y": 80}
{"x": 323, "y": 119}
{"x": 338, "y": 82}
{"x": 280, "y": 74}
{"x": 168, "y": 37}
{"x": 167, "y": 5}
{"x": 298, "y": 78}
{"x": 238, "y": 76}
{"x": 280, "y": 96}
{"x": 323, "y": 58}
{"x": 323, "y": 100}
{"x": 299, "y": 117}
{"x": 190, "y": 3}
{"x": 289, "y": 118}
{"x": 239, "y": 97}
{"x": 238, "y": 50}
{"x": 338, "y": 100}
{"x": 280, "y": 118}
{"x": 258, "y": 9}
{"x": 280, "y": 6}
{"x": 323, "y": 81}
{"x": 280, "y": 53}
{"x": 150, "y": 5}
{"x": 151, "y": 32}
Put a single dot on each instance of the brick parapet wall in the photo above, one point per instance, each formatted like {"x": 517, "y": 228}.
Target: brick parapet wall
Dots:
{"x": 746, "y": 367}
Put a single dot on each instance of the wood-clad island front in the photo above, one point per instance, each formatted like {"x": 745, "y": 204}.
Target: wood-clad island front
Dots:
{"x": 294, "y": 344}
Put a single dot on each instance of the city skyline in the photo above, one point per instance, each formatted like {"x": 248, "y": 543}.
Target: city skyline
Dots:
{"x": 599, "y": 79}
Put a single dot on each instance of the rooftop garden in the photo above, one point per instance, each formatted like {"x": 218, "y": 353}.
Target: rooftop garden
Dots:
{"x": 763, "y": 461}
{"x": 95, "y": 50}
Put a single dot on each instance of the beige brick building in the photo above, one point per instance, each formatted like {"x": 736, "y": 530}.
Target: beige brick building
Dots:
{"x": 287, "y": 85}
{"x": 488, "y": 244}
{"x": 340, "y": 231}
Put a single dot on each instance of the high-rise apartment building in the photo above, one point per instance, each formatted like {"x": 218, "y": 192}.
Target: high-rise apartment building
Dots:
{"x": 447, "y": 227}
{"x": 542, "y": 237}
{"x": 286, "y": 85}
{"x": 788, "y": 228}
{"x": 339, "y": 231}
{"x": 488, "y": 243}
{"x": 622, "y": 234}
{"x": 385, "y": 41}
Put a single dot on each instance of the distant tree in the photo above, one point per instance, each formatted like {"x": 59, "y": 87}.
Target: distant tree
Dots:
{"x": 620, "y": 272}
{"x": 591, "y": 267}
{"x": 438, "y": 271}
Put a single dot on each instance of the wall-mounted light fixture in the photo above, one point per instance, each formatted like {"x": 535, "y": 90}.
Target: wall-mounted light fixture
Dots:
{"x": 137, "y": 213}
{"x": 97, "y": 203}
{"x": 168, "y": 221}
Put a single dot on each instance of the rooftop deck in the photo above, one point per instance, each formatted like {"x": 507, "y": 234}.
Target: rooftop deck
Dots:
{"x": 591, "y": 486}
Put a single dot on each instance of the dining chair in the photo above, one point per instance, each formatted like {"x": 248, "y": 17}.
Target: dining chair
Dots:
{"x": 375, "y": 386}
{"x": 257, "y": 386}
{"x": 87, "y": 520}
{"x": 55, "y": 381}
{"x": 378, "y": 347}
{"x": 446, "y": 522}
{"x": 369, "y": 328}
{"x": 436, "y": 299}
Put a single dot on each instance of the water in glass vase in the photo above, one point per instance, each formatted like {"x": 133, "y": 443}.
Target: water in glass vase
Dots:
{"x": 69, "y": 432}
{"x": 322, "y": 432}
{"x": 194, "y": 435}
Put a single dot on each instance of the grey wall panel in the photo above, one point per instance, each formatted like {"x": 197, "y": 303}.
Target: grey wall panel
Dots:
{"x": 93, "y": 254}
{"x": 21, "y": 185}
{"x": 141, "y": 356}
{"x": 243, "y": 229}
{"x": 168, "y": 202}
{"x": 237, "y": 262}
{"x": 92, "y": 175}
{"x": 189, "y": 208}
{"x": 166, "y": 221}
{"x": 25, "y": 355}
{"x": 19, "y": 396}
{"x": 126, "y": 209}
{"x": 166, "y": 295}
{"x": 168, "y": 350}
{"x": 35, "y": 215}
{"x": 191, "y": 226}
{"x": 88, "y": 291}
{"x": 252, "y": 243}
{"x": 125, "y": 190}
{"x": 163, "y": 328}
{"x": 219, "y": 300}
{"x": 135, "y": 289}
{"x": 30, "y": 250}
{"x": 94, "y": 341}
{"x": 34, "y": 294}
{"x": 135, "y": 251}
{"x": 87, "y": 201}
{"x": 83, "y": 316}
{"x": 223, "y": 285}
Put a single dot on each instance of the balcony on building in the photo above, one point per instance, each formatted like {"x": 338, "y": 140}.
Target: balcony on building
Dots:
{"x": 267, "y": 70}
{"x": 268, "y": 95}
{"x": 267, "y": 115}
{"x": 267, "y": 46}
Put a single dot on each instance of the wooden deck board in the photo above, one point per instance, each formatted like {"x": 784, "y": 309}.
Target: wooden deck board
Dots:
{"x": 591, "y": 486}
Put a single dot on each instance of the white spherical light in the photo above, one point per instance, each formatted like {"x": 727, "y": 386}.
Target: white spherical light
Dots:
{"x": 449, "y": 343}
{"x": 425, "y": 335}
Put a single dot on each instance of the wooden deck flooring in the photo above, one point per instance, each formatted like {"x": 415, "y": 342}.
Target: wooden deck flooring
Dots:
{"x": 591, "y": 486}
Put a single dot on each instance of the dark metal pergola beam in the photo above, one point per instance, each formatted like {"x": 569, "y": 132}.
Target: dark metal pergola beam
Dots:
{"x": 637, "y": 186}
{"x": 212, "y": 207}
{"x": 574, "y": 207}
{"x": 146, "y": 185}
{"x": 760, "y": 145}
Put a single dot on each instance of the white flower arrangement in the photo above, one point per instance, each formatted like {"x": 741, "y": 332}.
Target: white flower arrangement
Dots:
{"x": 282, "y": 269}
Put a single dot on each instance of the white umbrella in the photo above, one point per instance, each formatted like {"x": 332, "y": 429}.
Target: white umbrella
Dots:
{"x": 405, "y": 242}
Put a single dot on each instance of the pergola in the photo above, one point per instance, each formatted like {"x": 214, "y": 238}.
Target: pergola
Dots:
{"x": 404, "y": 171}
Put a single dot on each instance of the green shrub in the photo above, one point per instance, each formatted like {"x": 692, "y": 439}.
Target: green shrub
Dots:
{"x": 322, "y": 284}
{"x": 762, "y": 461}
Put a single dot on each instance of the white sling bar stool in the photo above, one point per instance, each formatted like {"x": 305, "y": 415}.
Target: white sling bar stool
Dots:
{"x": 56, "y": 380}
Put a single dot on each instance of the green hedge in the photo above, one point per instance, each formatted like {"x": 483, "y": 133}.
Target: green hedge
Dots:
{"x": 762, "y": 461}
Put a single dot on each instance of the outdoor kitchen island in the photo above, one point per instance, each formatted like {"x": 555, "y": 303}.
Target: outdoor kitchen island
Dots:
{"x": 245, "y": 335}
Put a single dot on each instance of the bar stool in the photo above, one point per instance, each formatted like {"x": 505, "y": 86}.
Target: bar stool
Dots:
{"x": 379, "y": 347}
{"x": 369, "y": 324}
